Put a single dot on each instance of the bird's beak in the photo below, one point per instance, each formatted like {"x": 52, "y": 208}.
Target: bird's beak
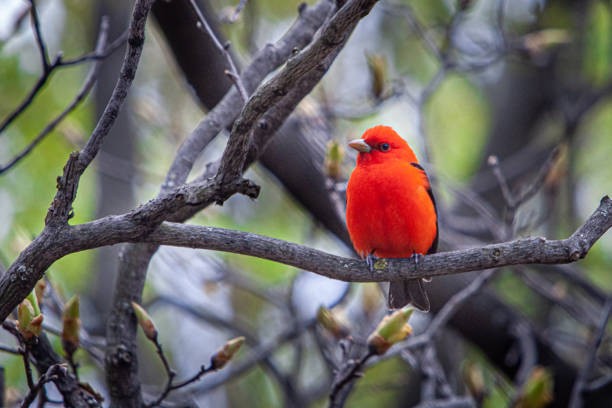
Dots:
{"x": 360, "y": 145}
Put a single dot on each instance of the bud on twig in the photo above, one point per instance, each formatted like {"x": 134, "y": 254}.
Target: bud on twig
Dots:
{"x": 538, "y": 42}
{"x": 377, "y": 64}
{"x": 71, "y": 325}
{"x": 474, "y": 379}
{"x": 145, "y": 322}
{"x": 329, "y": 322}
{"x": 29, "y": 321}
{"x": 538, "y": 391}
{"x": 333, "y": 160}
{"x": 34, "y": 302}
{"x": 226, "y": 353}
{"x": 39, "y": 290}
{"x": 392, "y": 329}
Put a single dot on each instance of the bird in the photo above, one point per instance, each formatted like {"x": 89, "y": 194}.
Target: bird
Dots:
{"x": 390, "y": 208}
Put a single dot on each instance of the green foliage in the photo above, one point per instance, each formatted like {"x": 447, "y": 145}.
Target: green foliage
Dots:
{"x": 254, "y": 390}
{"x": 457, "y": 123}
{"x": 381, "y": 385}
{"x": 598, "y": 54}
{"x": 595, "y": 174}
{"x": 493, "y": 388}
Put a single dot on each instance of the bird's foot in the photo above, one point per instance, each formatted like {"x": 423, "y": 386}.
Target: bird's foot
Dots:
{"x": 370, "y": 260}
{"x": 417, "y": 258}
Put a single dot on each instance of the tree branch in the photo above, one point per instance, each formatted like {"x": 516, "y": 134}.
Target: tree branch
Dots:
{"x": 264, "y": 62}
{"x": 61, "y": 209}
{"x": 521, "y": 251}
{"x": 90, "y": 80}
{"x": 18, "y": 282}
{"x": 346, "y": 377}
{"x": 123, "y": 375}
{"x": 130, "y": 228}
{"x": 577, "y": 399}
{"x": 332, "y": 36}
{"x": 42, "y": 47}
{"x": 232, "y": 71}
{"x": 49, "y": 68}
{"x": 45, "y": 358}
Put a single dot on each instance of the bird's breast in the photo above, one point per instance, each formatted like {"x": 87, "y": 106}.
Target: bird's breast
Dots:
{"x": 389, "y": 211}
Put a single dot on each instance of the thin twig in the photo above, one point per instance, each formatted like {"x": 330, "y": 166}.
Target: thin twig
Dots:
{"x": 54, "y": 372}
{"x": 515, "y": 200}
{"x": 232, "y": 72}
{"x": 170, "y": 374}
{"x": 572, "y": 305}
{"x": 419, "y": 30}
{"x": 576, "y": 400}
{"x": 90, "y": 80}
{"x": 500, "y": 16}
{"x": 92, "y": 347}
{"x": 11, "y": 327}
{"x": 237, "y": 10}
{"x": 450, "y": 308}
{"x": 539, "y": 179}
{"x": 10, "y": 350}
{"x": 265, "y": 350}
{"x": 203, "y": 370}
{"x": 493, "y": 162}
{"x": 58, "y": 62}
{"x": 40, "y": 42}
{"x": 27, "y": 101}
{"x": 171, "y": 387}
{"x": 529, "y": 357}
{"x": 98, "y": 55}
{"x": 434, "y": 383}
{"x": 598, "y": 383}
{"x": 347, "y": 374}
{"x": 25, "y": 355}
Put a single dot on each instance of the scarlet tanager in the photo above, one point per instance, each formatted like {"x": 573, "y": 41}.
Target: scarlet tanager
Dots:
{"x": 390, "y": 209}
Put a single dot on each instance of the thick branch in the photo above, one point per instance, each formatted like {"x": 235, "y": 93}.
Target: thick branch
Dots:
{"x": 333, "y": 34}
{"x": 61, "y": 209}
{"x": 521, "y": 251}
{"x": 121, "y": 329}
{"x": 126, "y": 228}
{"x": 132, "y": 227}
{"x": 31, "y": 264}
{"x": 269, "y": 58}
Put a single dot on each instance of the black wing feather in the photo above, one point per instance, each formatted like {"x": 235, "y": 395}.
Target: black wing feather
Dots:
{"x": 434, "y": 245}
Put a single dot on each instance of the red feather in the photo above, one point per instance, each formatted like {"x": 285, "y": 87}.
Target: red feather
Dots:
{"x": 390, "y": 209}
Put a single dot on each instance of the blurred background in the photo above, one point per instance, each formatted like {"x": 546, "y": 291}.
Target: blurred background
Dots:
{"x": 527, "y": 81}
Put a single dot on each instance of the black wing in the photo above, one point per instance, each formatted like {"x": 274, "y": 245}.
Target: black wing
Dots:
{"x": 434, "y": 245}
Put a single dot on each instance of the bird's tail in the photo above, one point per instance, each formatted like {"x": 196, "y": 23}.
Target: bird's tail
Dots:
{"x": 409, "y": 291}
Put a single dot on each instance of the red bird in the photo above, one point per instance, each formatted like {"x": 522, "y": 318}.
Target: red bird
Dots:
{"x": 390, "y": 208}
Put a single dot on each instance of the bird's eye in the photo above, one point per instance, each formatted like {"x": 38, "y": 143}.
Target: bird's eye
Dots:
{"x": 384, "y": 147}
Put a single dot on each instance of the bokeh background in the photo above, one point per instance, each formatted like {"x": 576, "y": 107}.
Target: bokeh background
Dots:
{"x": 461, "y": 81}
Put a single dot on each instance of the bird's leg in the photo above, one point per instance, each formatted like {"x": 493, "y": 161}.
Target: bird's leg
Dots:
{"x": 416, "y": 257}
{"x": 370, "y": 259}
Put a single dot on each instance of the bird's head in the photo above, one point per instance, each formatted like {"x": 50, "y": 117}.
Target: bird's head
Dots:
{"x": 382, "y": 143}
